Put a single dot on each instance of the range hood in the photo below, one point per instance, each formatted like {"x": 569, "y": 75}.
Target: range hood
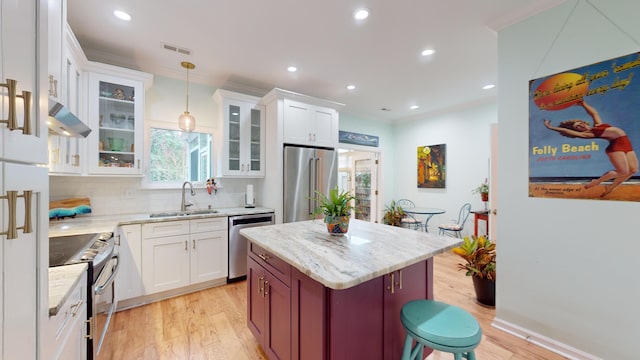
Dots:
{"x": 62, "y": 122}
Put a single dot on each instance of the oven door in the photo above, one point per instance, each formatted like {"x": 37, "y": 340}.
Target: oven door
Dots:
{"x": 104, "y": 301}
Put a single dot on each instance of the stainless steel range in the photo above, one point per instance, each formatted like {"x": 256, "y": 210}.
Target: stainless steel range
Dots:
{"x": 99, "y": 250}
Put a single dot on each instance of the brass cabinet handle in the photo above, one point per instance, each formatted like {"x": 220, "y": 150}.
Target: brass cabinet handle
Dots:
{"x": 392, "y": 287}
{"x": 264, "y": 289}
{"x": 399, "y": 283}
{"x": 11, "y": 121}
{"x": 261, "y": 286}
{"x": 90, "y": 325}
{"x": 264, "y": 257}
{"x": 76, "y": 308}
{"x": 12, "y": 229}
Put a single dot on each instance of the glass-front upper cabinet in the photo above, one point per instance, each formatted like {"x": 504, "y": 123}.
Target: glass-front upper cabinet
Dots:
{"x": 116, "y": 110}
{"x": 241, "y": 140}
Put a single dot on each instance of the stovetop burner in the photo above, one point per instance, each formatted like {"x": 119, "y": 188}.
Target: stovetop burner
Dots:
{"x": 72, "y": 249}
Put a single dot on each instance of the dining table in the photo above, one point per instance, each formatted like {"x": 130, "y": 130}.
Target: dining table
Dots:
{"x": 428, "y": 211}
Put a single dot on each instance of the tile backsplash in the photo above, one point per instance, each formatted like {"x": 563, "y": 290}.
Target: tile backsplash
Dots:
{"x": 122, "y": 195}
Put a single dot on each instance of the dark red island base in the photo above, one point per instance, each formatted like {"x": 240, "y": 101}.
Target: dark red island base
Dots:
{"x": 296, "y": 317}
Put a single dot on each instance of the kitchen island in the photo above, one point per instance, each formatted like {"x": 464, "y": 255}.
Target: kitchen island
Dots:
{"x": 312, "y": 295}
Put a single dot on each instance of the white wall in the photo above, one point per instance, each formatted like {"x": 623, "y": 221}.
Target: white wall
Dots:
{"x": 567, "y": 269}
{"x": 164, "y": 101}
{"x": 466, "y": 134}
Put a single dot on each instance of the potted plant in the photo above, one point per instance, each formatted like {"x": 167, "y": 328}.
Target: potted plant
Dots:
{"x": 483, "y": 190}
{"x": 393, "y": 214}
{"x": 479, "y": 254}
{"x": 336, "y": 209}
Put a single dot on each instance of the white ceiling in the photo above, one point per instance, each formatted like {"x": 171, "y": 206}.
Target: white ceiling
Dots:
{"x": 247, "y": 45}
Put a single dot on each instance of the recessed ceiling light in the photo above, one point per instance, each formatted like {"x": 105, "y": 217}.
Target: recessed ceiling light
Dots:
{"x": 361, "y": 14}
{"x": 351, "y": 87}
{"x": 414, "y": 107}
{"x": 122, "y": 15}
{"x": 488, "y": 86}
{"x": 292, "y": 69}
{"x": 427, "y": 52}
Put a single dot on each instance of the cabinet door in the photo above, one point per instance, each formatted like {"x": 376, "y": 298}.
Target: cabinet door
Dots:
{"x": 19, "y": 290}
{"x": 209, "y": 256}
{"x": 243, "y": 138}
{"x": 296, "y": 123}
{"x": 307, "y": 124}
{"x": 255, "y": 299}
{"x": 408, "y": 284}
{"x": 22, "y": 58}
{"x": 324, "y": 126}
{"x": 255, "y": 146}
{"x": 115, "y": 116}
{"x": 277, "y": 343}
{"x": 75, "y": 345}
{"x": 56, "y": 22}
{"x": 165, "y": 264}
{"x": 129, "y": 277}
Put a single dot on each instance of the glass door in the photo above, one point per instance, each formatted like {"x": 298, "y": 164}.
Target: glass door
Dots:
{"x": 362, "y": 170}
{"x": 117, "y": 125}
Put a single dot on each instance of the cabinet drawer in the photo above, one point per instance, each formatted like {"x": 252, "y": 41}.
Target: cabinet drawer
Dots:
{"x": 71, "y": 308}
{"x": 274, "y": 265}
{"x": 165, "y": 228}
{"x": 209, "y": 224}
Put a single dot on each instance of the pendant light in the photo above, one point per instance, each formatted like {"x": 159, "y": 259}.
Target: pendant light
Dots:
{"x": 186, "y": 121}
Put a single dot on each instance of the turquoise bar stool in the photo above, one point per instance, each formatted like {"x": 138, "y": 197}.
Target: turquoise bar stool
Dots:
{"x": 441, "y": 327}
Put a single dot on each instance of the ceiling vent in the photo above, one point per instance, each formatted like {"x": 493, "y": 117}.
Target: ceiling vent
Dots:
{"x": 177, "y": 49}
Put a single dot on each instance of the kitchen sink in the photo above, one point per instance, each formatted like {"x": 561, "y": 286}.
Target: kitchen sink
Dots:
{"x": 182, "y": 213}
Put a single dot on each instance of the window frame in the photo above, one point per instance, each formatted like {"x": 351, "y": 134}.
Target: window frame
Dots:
{"x": 146, "y": 180}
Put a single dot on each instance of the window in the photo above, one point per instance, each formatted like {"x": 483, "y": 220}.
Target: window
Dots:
{"x": 176, "y": 156}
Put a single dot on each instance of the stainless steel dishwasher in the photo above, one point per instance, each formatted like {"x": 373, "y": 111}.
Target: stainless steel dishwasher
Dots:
{"x": 238, "y": 243}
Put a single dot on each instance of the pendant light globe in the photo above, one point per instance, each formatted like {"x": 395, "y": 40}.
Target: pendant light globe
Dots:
{"x": 186, "y": 121}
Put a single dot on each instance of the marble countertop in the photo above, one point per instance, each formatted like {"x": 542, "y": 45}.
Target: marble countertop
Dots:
{"x": 105, "y": 223}
{"x": 366, "y": 252}
{"x": 61, "y": 280}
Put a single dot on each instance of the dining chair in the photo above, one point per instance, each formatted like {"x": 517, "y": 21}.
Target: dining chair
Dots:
{"x": 456, "y": 227}
{"x": 409, "y": 220}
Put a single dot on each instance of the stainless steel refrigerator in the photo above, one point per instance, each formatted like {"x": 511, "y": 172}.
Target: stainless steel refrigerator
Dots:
{"x": 305, "y": 171}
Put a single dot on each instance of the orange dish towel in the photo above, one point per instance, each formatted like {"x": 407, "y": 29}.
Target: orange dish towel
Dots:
{"x": 69, "y": 208}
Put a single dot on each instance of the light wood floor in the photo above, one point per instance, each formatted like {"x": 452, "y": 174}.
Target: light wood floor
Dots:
{"x": 211, "y": 324}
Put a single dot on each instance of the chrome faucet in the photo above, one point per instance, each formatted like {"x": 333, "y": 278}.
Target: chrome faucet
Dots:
{"x": 184, "y": 205}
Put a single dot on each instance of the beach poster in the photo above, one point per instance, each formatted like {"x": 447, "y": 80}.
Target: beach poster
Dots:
{"x": 584, "y": 131}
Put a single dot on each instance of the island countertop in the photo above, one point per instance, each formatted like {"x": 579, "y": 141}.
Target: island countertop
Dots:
{"x": 366, "y": 252}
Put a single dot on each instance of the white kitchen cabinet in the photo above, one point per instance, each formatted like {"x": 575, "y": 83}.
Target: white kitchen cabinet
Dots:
{"x": 306, "y": 124}
{"x": 66, "y": 154}
{"x": 182, "y": 253}
{"x": 295, "y": 119}
{"x": 240, "y": 145}
{"x": 67, "y": 329}
{"x": 23, "y": 257}
{"x": 57, "y": 20}
{"x": 129, "y": 278}
{"x": 115, "y": 115}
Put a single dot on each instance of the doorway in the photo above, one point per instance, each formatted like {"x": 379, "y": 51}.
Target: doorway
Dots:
{"x": 358, "y": 174}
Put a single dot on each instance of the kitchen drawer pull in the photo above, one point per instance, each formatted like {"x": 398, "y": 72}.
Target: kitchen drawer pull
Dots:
{"x": 399, "y": 283}
{"x": 76, "y": 308}
{"x": 186, "y": 247}
{"x": 194, "y": 244}
{"x": 264, "y": 257}
{"x": 266, "y": 286}
{"x": 90, "y": 325}
{"x": 392, "y": 286}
